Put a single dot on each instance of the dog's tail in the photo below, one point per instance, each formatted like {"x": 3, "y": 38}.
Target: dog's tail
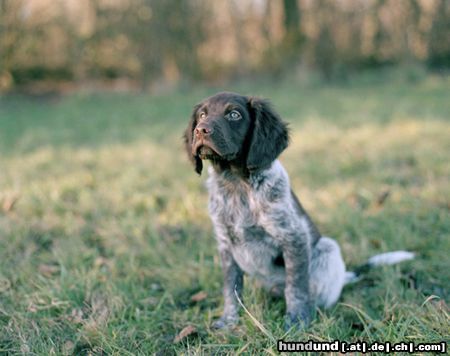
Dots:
{"x": 383, "y": 259}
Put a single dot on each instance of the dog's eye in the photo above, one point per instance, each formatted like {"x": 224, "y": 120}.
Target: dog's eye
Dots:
{"x": 234, "y": 115}
{"x": 202, "y": 115}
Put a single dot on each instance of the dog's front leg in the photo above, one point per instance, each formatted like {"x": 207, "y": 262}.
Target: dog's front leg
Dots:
{"x": 296, "y": 253}
{"x": 233, "y": 280}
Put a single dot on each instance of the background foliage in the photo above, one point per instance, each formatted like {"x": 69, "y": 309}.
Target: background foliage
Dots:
{"x": 162, "y": 44}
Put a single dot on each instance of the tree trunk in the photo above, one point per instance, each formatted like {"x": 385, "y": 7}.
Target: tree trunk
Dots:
{"x": 291, "y": 17}
{"x": 293, "y": 38}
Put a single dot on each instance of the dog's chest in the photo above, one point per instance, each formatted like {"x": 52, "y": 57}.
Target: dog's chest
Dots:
{"x": 239, "y": 215}
{"x": 239, "y": 211}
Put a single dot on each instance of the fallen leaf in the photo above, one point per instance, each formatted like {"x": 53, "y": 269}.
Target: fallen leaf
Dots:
{"x": 9, "y": 201}
{"x": 68, "y": 347}
{"x": 375, "y": 243}
{"x": 198, "y": 297}
{"x": 382, "y": 197}
{"x": 76, "y": 316}
{"x": 48, "y": 270}
{"x": 101, "y": 261}
{"x": 188, "y": 330}
{"x": 5, "y": 284}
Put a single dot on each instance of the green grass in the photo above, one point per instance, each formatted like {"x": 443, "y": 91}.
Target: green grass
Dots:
{"x": 105, "y": 236}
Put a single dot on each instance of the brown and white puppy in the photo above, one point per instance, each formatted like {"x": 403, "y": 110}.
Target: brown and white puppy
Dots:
{"x": 260, "y": 226}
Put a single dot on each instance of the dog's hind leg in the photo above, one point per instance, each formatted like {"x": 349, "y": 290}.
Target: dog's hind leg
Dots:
{"x": 327, "y": 272}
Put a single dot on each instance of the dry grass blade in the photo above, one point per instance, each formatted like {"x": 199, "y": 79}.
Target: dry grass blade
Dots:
{"x": 430, "y": 298}
{"x": 257, "y": 323}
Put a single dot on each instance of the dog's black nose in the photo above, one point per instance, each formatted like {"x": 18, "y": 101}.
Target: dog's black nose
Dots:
{"x": 203, "y": 130}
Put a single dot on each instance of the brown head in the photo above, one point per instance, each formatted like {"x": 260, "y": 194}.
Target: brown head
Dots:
{"x": 235, "y": 130}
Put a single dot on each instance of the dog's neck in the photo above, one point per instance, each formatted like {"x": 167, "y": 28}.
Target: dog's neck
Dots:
{"x": 236, "y": 167}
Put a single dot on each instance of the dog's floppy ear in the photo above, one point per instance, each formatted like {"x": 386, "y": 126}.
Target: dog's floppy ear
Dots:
{"x": 188, "y": 138}
{"x": 269, "y": 136}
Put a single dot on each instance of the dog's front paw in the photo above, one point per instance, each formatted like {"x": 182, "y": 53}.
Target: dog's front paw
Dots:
{"x": 297, "y": 321}
{"x": 225, "y": 322}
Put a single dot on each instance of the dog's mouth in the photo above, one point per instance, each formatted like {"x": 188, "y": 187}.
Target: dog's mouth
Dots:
{"x": 206, "y": 151}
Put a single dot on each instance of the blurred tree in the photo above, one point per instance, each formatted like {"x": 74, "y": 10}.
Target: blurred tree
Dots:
{"x": 166, "y": 36}
{"x": 376, "y": 57}
{"x": 293, "y": 38}
{"x": 324, "y": 52}
{"x": 439, "y": 37}
{"x": 11, "y": 33}
{"x": 152, "y": 42}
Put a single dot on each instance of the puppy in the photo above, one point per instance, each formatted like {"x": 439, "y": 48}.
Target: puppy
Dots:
{"x": 260, "y": 226}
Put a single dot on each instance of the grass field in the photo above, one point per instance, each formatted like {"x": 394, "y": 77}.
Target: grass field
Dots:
{"x": 105, "y": 236}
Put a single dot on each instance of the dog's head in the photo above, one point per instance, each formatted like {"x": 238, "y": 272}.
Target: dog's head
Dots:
{"x": 234, "y": 129}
